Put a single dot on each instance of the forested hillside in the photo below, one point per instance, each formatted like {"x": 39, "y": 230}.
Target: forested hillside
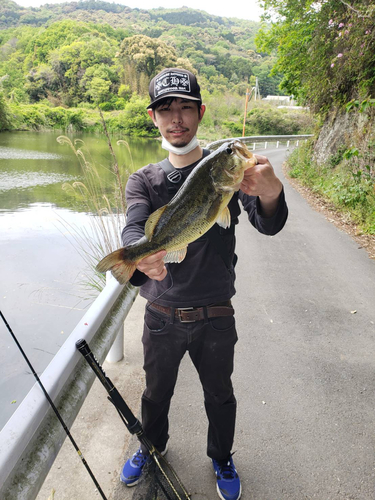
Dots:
{"x": 58, "y": 63}
{"x": 62, "y": 51}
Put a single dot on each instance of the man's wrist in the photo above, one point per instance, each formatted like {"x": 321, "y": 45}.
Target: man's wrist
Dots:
{"x": 269, "y": 202}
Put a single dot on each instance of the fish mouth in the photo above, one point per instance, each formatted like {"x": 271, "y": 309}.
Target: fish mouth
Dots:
{"x": 241, "y": 151}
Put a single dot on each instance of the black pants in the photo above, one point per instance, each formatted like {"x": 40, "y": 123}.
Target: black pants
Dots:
{"x": 210, "y": 345}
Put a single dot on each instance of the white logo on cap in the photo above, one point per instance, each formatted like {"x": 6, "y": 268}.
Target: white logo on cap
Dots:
{"x": 172, "y": 82}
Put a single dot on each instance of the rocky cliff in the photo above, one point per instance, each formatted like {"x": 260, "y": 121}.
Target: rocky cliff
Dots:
{"x": 344, "y": 130}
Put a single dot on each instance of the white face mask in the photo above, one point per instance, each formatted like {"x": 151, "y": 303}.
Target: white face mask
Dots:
{"x": 180, "y": 151}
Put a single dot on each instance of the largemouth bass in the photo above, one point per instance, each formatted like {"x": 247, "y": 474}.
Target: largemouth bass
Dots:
{"x": 201, "y": 202}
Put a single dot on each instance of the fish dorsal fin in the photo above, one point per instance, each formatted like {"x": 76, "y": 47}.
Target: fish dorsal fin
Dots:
{"x": 224, "y": 218}
{"x": 176, "y": 255}
{"x": 152, "y": 221}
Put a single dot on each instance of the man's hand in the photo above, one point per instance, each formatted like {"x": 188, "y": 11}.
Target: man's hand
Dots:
{"x": 153, "y": 266}
{"x": 261, "y": 181}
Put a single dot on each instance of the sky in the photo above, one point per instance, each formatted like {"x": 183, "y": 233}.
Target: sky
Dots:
{"x": 243, "y": 9}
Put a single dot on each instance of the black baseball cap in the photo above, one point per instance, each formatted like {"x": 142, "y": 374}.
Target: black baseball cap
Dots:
{"x": 174, "y": 82}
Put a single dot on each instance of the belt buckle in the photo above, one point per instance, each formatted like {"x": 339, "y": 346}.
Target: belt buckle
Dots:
{"x": 181, "y": 309}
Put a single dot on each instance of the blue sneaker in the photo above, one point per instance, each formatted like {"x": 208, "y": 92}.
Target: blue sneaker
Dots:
{"x": 132, "y": 470}
{"x": 228, "y": 482}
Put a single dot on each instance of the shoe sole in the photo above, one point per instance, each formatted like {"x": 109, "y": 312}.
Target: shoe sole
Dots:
{"x": 130, "y": 485}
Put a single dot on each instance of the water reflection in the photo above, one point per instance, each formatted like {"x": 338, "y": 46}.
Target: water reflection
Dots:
{"x": 41, "y": 293}
{"x": 34, "y": 166}
{"x": 20, "y": 154}
{"x": 41, "y": 271}
{"x": 25, "y": 180}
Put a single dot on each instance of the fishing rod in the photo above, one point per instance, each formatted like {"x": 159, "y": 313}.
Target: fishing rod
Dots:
{"x": 57, "y": 413}
{"x": 167, "y": 480}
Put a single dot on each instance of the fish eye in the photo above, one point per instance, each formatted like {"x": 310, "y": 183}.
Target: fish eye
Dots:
{"x": 229, "y": 151}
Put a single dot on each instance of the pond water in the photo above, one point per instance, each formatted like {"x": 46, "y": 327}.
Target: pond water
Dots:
{"x": 42, "y": 273}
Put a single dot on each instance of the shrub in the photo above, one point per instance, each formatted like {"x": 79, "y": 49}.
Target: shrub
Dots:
{"x": 134, "y": 120}
{"x": 116, "y": 103}
{"x": 75, "y": 118}
{"x": 275, "y": 121}
{"x": 348, "y": 186}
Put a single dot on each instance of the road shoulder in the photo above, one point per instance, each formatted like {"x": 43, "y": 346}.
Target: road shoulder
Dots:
{"x": 339, "y": 219}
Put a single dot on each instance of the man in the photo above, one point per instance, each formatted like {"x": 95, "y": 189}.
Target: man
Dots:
{"x": 189, "y": 306}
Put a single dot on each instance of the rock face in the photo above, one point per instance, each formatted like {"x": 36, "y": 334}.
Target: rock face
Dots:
{"x": 342, "y": 131}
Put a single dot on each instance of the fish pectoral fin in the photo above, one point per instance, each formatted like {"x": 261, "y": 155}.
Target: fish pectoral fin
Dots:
{"x": 176, "y": 255}
{"x": 224, "y": 218}
{"x": 152, "y": 221}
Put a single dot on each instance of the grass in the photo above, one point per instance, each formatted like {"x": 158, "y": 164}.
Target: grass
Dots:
{"x": 104, "y": 202}
{"x": 347, "y": 181}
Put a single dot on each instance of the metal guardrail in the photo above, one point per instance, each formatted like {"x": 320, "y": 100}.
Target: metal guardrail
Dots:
{"x": 261, "y": 139}
{"x": 32, "y": 438}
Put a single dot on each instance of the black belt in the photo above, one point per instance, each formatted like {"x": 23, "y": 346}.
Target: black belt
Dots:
{"x": 192, "y": 314}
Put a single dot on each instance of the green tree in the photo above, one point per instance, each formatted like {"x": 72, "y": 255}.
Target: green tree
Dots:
{"x": 269, "y": 83}
{"x": 101, "y": 81}
{"x": 71, "y": 62}
{"x": 12, "y": 76}
{"x": 53, "y": 37}
{"x": 325, "y": 50}
{"x": 50, "y": 62}
{"x": 142, "y": 57}
{"x": 98, "y": 89}
{"x": 40, "y": 81}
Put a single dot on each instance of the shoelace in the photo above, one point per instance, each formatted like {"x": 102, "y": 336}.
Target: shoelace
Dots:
{"x": 139, "y": 457}
{"x": 226, "y": 470}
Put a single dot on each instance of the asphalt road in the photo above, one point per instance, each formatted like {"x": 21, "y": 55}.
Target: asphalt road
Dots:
{"x": 305, "y": 367}
{"x": 305, "y": 360}
{"x": 304, "y": 376}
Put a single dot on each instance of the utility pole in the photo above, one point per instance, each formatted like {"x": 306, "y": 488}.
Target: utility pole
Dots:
{"x": 254, "y": 90}
{"x": 244, "y": 116}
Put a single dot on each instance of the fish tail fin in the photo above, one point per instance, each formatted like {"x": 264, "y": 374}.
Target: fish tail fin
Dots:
{"x": 121, "y": 267}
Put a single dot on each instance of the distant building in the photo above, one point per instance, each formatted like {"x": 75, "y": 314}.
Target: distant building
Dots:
{"x": 285, "y": 99}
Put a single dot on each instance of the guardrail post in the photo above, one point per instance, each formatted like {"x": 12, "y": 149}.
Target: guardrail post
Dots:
{"x": 116, "y": 352}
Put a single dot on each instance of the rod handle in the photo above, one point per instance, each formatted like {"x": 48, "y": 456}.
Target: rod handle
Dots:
{"x": 131, "y": 422}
